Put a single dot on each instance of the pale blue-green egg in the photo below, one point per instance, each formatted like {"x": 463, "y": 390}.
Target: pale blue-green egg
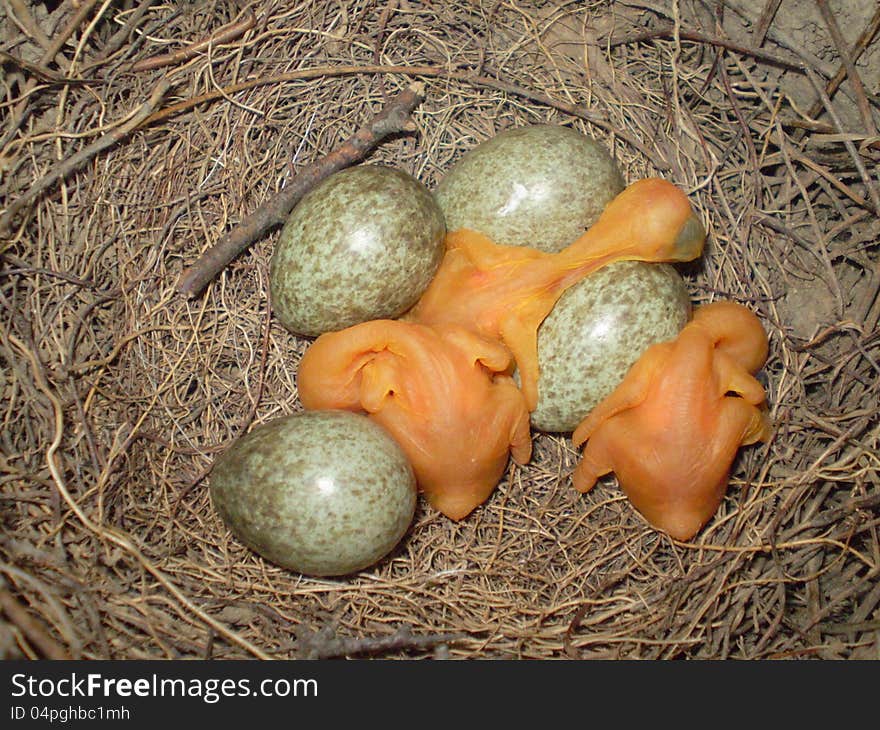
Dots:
{"x": 320, "y": 492}
{"x": 539, "y": 185}
{"x": 363, "y": 244}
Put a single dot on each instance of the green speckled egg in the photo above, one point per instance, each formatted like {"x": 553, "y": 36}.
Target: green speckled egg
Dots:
{"x": 319, "y": 492}
{"x": 597, "y": 330}
{"x": 363, "y": 244}
{"x": 540, "y": 186}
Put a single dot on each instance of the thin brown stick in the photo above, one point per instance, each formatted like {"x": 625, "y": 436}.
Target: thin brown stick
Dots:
{"x": 392, "y": 119}
{"x": 121, "y": 36}
{"x": 26, "y": 21}
{"x": 377, "y": 44}
{"x": 850, "y": 147}
{"x": 689, "y": 35}
{"x": 33, "y": 630}
{"x": 847, "y": 628}
{"x": 67, "y": 166}
{"x": 58, "y": 41}
{"x": 744, "y": 10}
{"x": 753, "y": 154}
{"x": 862, "y": 42}
{"x": 848, "y": 64}
{"x": 765, "y": 20}
{"x": 227, "y": 33}
{"x": 41, "y": 72}
{"x": 325, "y": 644}
{"x": 20, "y": 112}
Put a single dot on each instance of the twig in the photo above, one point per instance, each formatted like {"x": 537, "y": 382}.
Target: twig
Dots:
{"x": 765, "y": 20}
{"x": 745, "y": 134}
{"x": 835, "y": 181}
{"x": 377, "y": 44}
{"x": 48, "y": 272}
{"x": 744, "y": 10}
{"x": 20, "y": 112}
{"x": 853, "y": 75}
{"x": 21, "y": 14}
{"x": 65, "y": 167}
{"x": 689, "y": 35}
{"x": 35, "y": 632}
{"x": 862, "y": 42}
{"x": 120, "y": 36}
{"x": 850, "y": 147}
{"x": 850, "y": 628}
{"x": 393, "y": 119}
{"x": 41, "y": 72}
{"x": 227, "y": 33}
{"x": 325, "y": 644}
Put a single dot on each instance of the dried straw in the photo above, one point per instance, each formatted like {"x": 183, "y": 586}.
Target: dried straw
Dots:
{"x": 117, "y": 393}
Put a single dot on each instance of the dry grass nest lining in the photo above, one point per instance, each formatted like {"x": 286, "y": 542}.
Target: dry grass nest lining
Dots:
{"x": 117, "y": 393}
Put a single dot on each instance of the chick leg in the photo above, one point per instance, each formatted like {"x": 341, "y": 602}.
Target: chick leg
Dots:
{"x": 595, "y": 462}
{"x": 631, "y": 392}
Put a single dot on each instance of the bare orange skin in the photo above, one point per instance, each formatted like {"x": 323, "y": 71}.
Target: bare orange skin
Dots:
{"x": 670, "y": 431}
{"x": 505, "y": 292}
{"x": 444, "y": 393}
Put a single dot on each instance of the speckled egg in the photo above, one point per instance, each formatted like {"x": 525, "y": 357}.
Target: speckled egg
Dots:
{"x": 363, "y": 244}
{"x": 597, "y": 330}
{"x": 540, "y": 185}
{"x": 320, "y": 492}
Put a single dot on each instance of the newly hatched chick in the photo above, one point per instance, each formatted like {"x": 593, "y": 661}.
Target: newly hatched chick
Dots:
{"x": 672, "y": 428}
{"x": 444, "y": 393}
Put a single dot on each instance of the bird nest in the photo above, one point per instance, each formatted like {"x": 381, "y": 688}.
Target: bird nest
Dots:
{"x": 118, "y": 392}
